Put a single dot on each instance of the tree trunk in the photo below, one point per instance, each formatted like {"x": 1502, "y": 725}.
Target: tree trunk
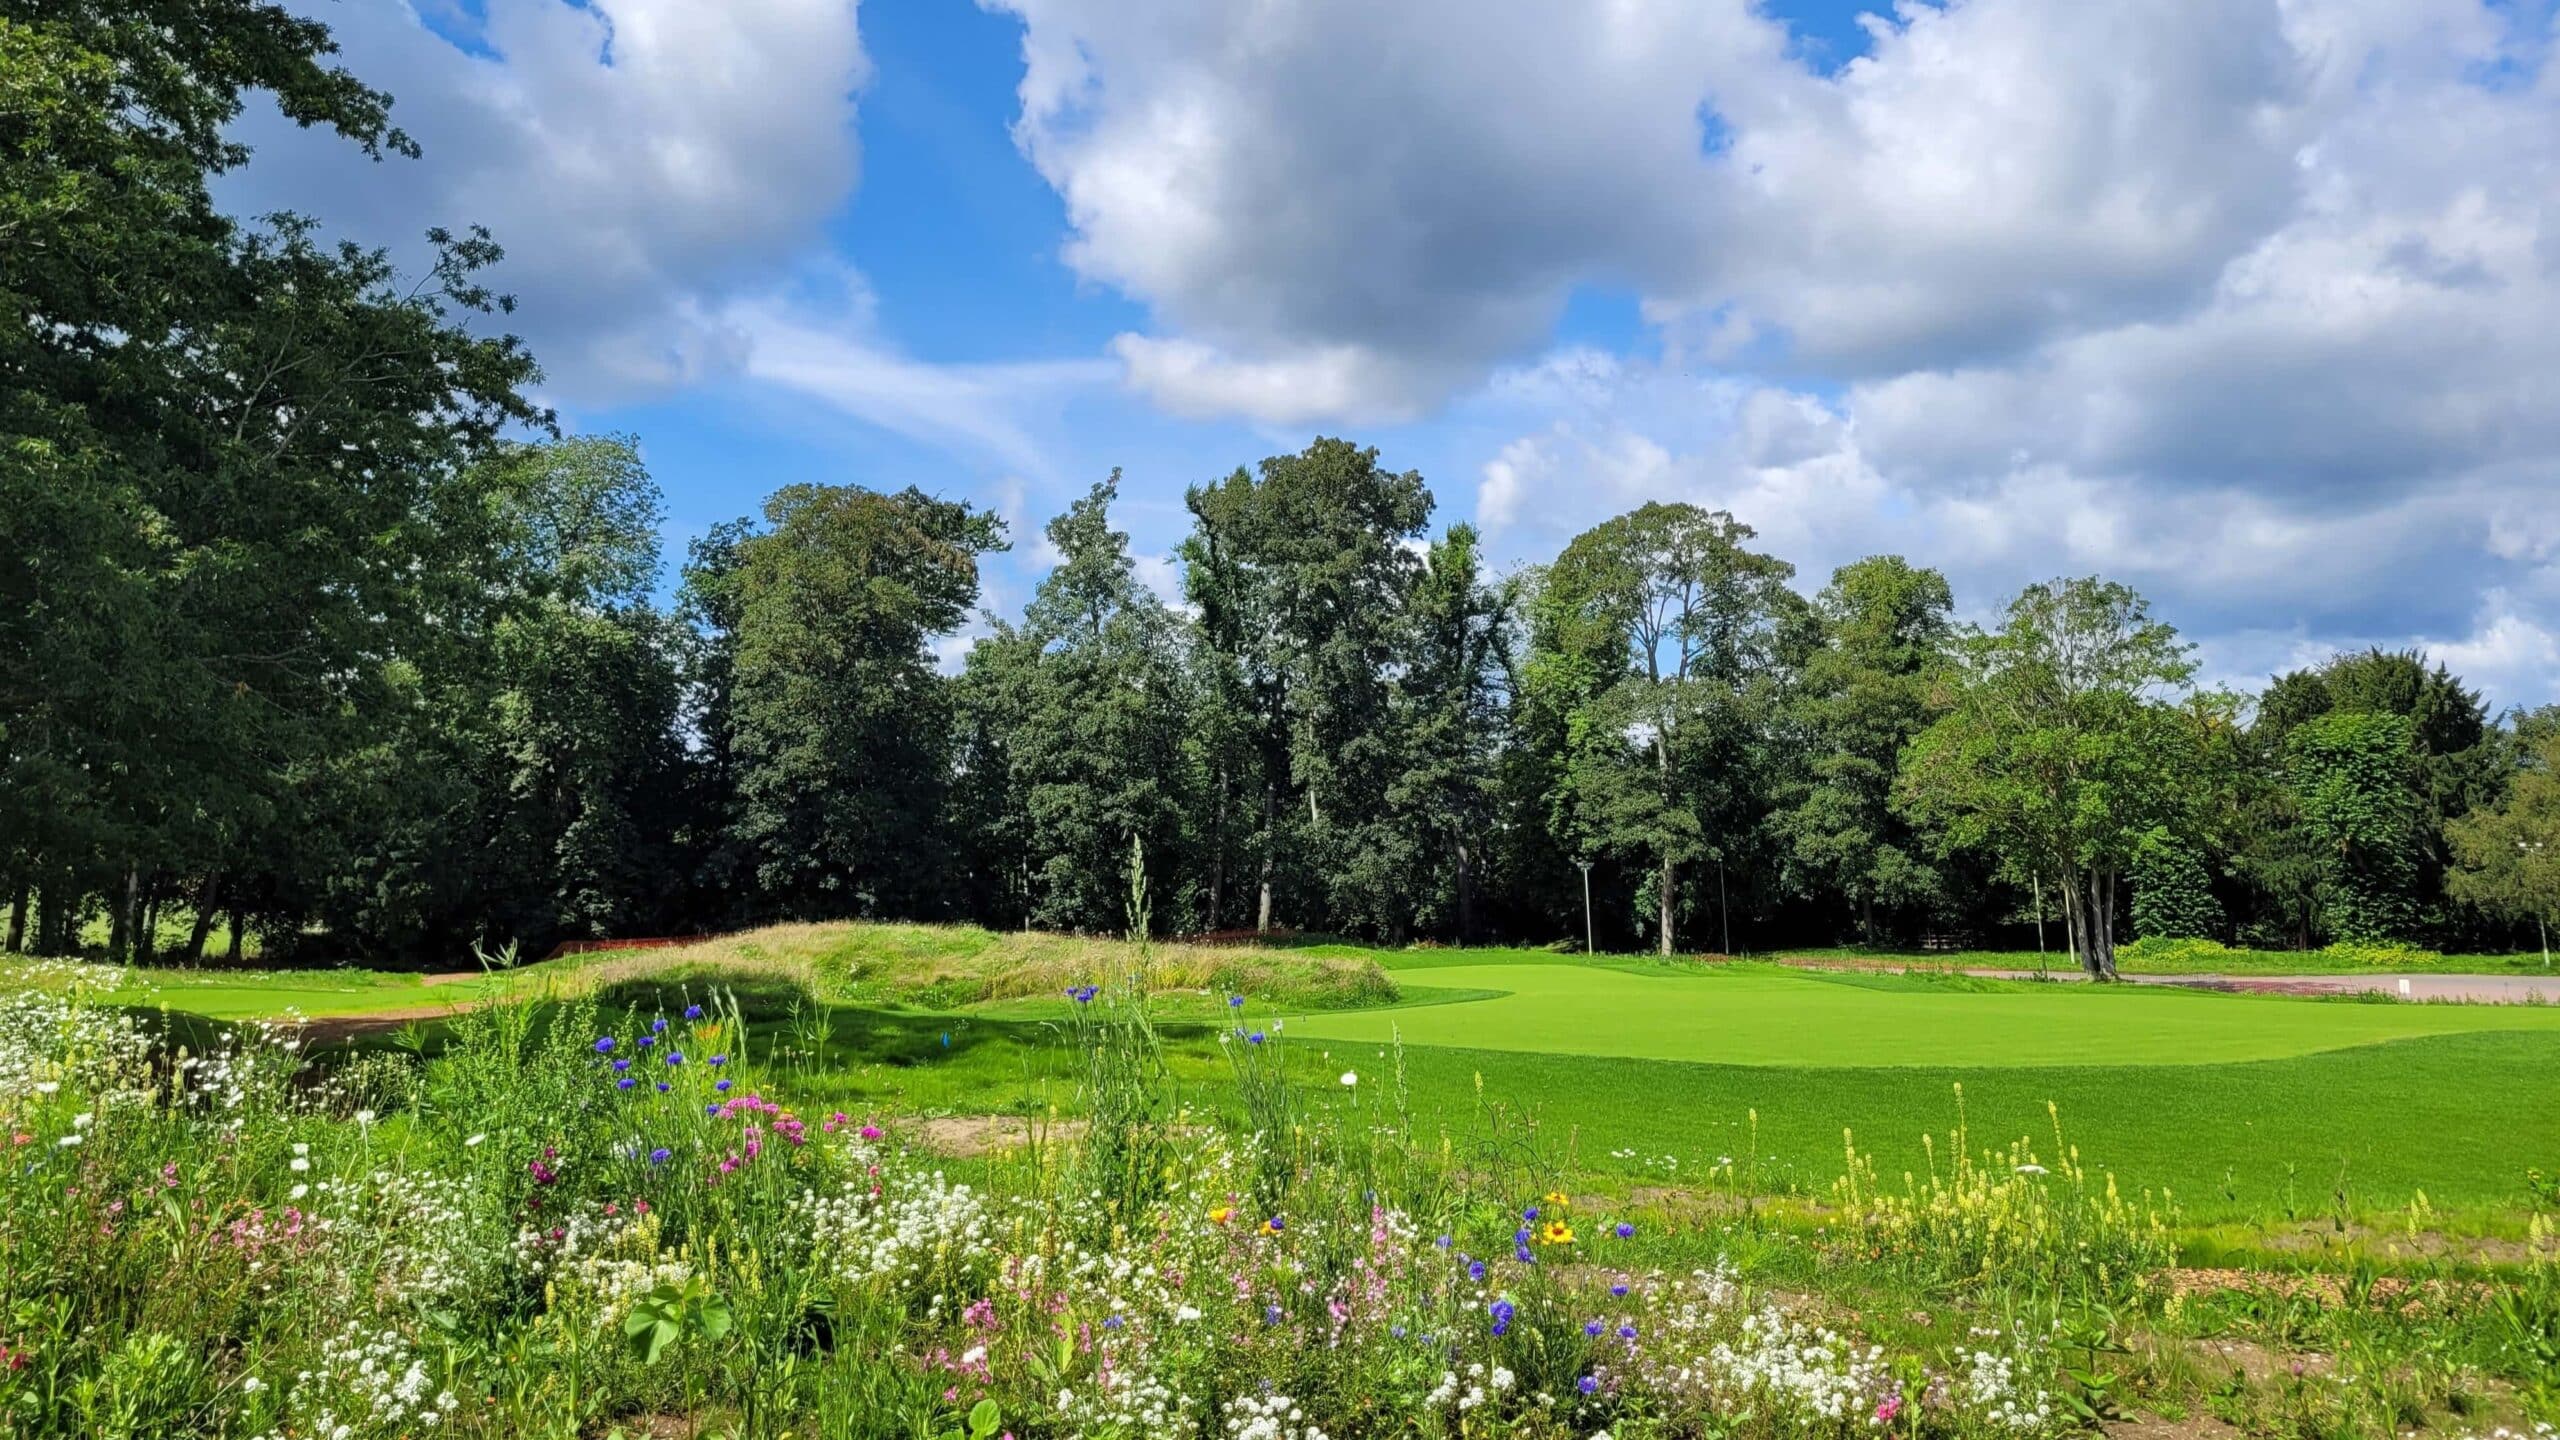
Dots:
{"x": 120, "y": 908}
{"x": 231, "y": 956}
{"x": 146, "y": 927}
{"x": 49, "y": 905}
{"x": 1270, "y": 813}
{"x": 1670, "y": 889}
{"x": 2102, "y": 939}
{"x": 206, "y": 899}
{"x": 18, "y": 920}
{"x": 1466, "y": 896}
{"x": 1218, "y": 856}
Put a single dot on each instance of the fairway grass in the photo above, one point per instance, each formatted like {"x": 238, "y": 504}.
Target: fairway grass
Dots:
{"x": 2247, "y": 1107}
{"x": 1756, "y": 1015}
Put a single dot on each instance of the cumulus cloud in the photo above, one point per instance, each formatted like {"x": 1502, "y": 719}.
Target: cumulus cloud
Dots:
{"x": 643, "y": 162}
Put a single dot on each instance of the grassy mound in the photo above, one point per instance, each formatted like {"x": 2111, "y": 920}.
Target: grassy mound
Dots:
{"x": 947, "y": 967}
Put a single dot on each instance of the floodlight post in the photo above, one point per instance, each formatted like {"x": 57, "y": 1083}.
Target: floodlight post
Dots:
{"x": 2541, "y": 924}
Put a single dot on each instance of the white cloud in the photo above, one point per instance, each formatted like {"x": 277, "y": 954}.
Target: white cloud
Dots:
{"x": 642, "y": 162}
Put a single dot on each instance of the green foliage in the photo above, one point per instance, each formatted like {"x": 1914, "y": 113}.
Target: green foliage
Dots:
{"x": 2508, "y": 856}
{"x": 835, "y": 728}
{"x": 2055, "y": 751}
{"x": 2172, "y": 894}
{"x": 2351, "y": 775}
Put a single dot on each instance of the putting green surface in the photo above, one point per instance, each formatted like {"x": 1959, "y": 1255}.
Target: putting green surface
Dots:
{"x": 1733, "y": 1015}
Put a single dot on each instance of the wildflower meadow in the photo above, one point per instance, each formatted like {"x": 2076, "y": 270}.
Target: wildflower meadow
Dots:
{"x": 568, "y": 1217}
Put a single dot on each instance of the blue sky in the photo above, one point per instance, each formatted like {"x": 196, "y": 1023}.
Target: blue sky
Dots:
{"x": 2255, "y": 306}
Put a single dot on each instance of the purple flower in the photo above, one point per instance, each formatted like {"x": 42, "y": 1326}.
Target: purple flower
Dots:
{"x": 1524, "y": 1256}
{"x": 646, "y": 1041}
{"x": 675, "y": 1057}
{"x": 1520, "y": 1236}
{"x": 1587, "y": 1384}
{"x": 604, "y": 1044}
{"x": 1626, "y": 1332}
{"x": 1530, "y": 1214}
{"x": 721, "y": 1086}
{"x": 1235, "y": 1002}
{"x": 661, "y": 1155}
{"x": 1254, "y": 1039}
{"x": 1593, "y": 1328}
{"x": 1618, "y": 1290}
{"x": 710, "y": 1109}
{"x": 1626, "y": 1231}
{"x": 1083, "y": 994}
{"x": 1395, "y": 1332}
{"x": 1502, "y": 1311}
{"x": 625, "y": 1083}
{"x": 656, "y": 1025}
{"x": 717, "y": 1060}
{"x": 662, "y": 1087}
{"x": 1442, "y": 1242}
{"x": 693, "y": 1012}
{"x": 1113, "y": 1323}
{"x": 620, "y": 1065}
{"x": 1475, "y": 1270}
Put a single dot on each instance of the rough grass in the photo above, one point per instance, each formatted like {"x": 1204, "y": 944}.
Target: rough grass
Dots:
{"x": 948, "y": 967}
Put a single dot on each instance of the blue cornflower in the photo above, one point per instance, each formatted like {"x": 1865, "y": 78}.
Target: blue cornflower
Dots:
{"x": 675, "y": 1057}
{"x": 664, "y": 1087}
{"x": 1530, "y": 1214}
{"x": 1271, "y": 1315}
{"x": 1520, "y": 1236}
{"x": 1524, "y": 1256}
{"x": 1587, "y": 1384}
{"x": 710, "y": 1109}
{"x": 1395, "y": 1332}
{"x": 1475, "y": 1270}
{"x": 658, "y": 1024}
{"x": 649, "y": 1041}
{"x": 721, "y": 1085}
{"x": 1626, "y": 1231}
{"x": 1254, "y": 1039}
{"x": 625, "y": 1083}
{"x": 1502, "y": 1311}
{"x": 717, "y": 1060}
{"x": 604, "y": 1044}
{"x": 1593, "y": 1328}
{"x": 1235, "y": 1002}
{"x": 1443, "y": 1242}
{"x": 620, "y": 1065}
{"x": 693, "y": 1012}
{"x": 661, "y": 1155}
{"x": 1113, "y": 1323}
{"x": 1626, "y": 1332}
{"x": 1618, "y": 1290}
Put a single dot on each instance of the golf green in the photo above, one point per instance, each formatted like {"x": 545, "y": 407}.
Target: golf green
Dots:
{"x": 1750, "y": 1016}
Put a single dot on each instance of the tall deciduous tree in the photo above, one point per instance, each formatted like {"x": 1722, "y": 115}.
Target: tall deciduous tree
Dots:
{"x": 1673, "y": 634}
{"x": 2508, "y": 855}
{"x": 2053, "y": 748}
{"x": 1082, "y": 710}
{"x": 1452, "y": 705}
{"x": 1864, "y": 694}
{"x": 226, "y": 454}
{"x": 838, "y": 727}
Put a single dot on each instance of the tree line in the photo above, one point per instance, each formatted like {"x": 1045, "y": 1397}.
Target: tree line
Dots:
{"x": 314, "y": 629}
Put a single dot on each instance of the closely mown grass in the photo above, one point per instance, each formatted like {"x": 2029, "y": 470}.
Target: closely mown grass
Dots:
{"x": 2190, "y": 959}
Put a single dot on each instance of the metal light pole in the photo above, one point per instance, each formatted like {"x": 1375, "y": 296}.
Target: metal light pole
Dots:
{"x": 2540, "y": 924}
{"x": 1588, "y": 948}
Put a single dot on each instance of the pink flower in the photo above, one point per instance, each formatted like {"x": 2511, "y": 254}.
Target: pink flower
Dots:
{"x": 1891, "y": 1407}
{"x": 870, "y": 1132}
